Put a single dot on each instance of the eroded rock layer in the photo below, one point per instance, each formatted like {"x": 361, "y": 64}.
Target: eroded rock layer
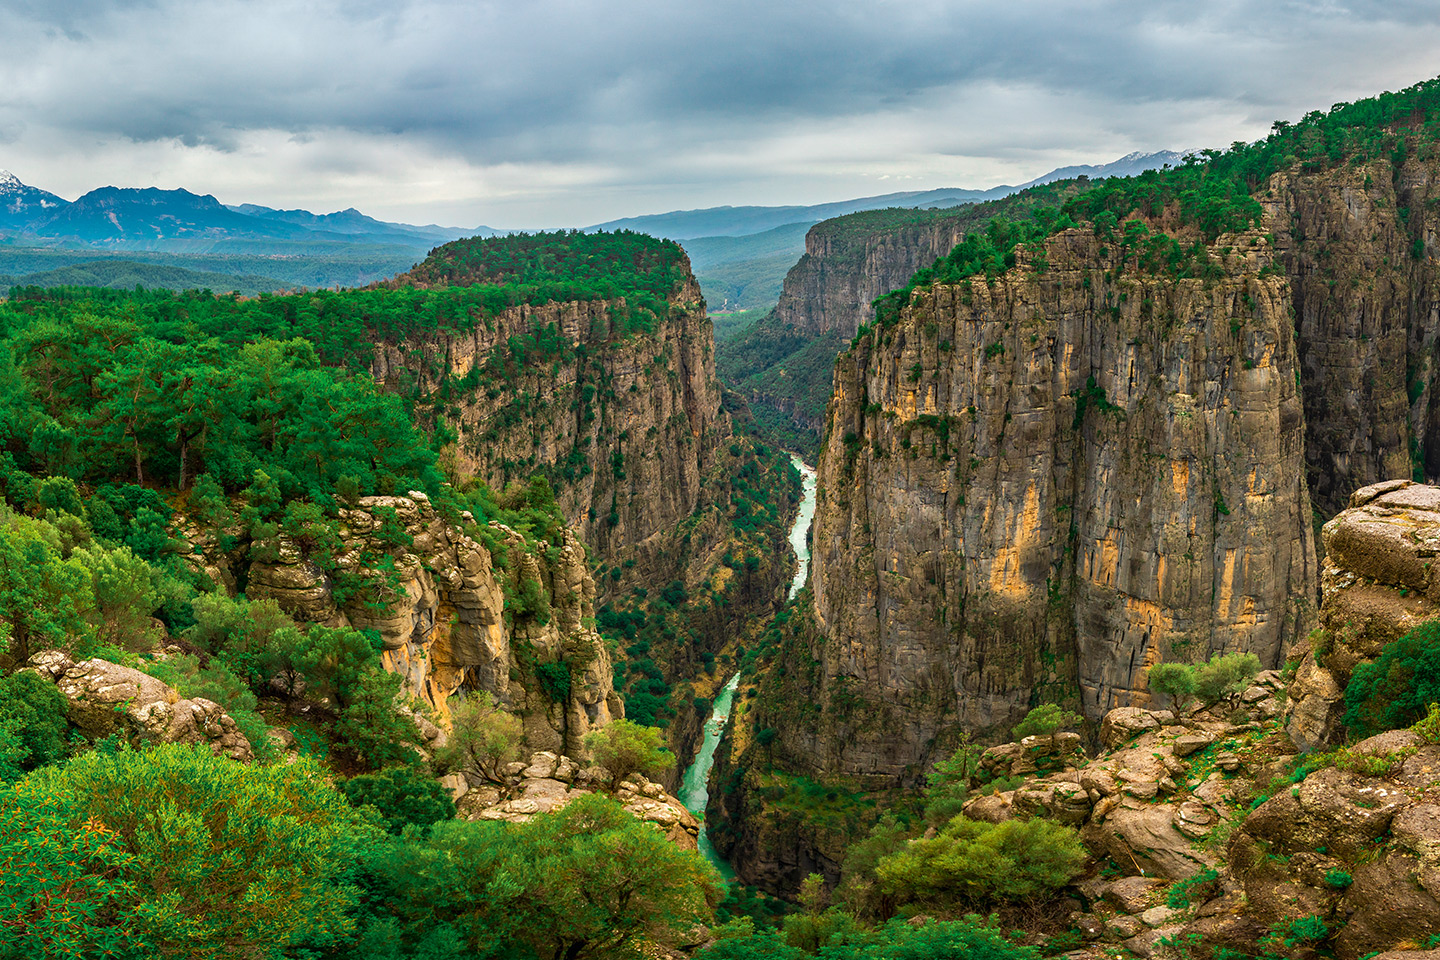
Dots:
{"x": 444, "y": 623}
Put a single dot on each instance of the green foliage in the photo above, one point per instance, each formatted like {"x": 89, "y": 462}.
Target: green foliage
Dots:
{"x": 1305, "y": 931}
{"x": 623, "y": 747}
{"x": 1044, "y": 720}
{"x": 483, "y": 737}
{"x": 44, "y": 597}
{"x": 981, "y": 863}
{"x": 565, "y": 265}
{"x": 1222, "y": 676}
{"x": 32, "y": 724}
{"x": 1225, "y": 675}
{"x": 1338, "y": 879}
{"x": 126, "y": 591}
{"x": 587, "y": 882}
{"x": 67, "y": 892}
{"x": 949, "y": 783}
{"x": 1394, "y": 690}
{"x": 1184, "y": 892}
{"x": 403, "y": 796}
{"x": 970, "y": 938}
{"x": 1173, "y": 680}
{"x": 370, "y": 727}
{"x": 207, "y": 857}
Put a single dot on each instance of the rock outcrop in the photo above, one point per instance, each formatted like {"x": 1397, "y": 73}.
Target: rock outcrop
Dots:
{"x": 1378, "y": 585}
{"x": 547, "y": 782}
{"x": 444, "y": 623}
{"x": 1045, "y": 483}
{"x": 104, "y": 698}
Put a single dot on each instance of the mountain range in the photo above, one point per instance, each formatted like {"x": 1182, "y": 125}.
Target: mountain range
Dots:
{"x": 740, "y": 254}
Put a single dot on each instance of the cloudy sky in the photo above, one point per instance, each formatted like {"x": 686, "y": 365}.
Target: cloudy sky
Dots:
{"x": 568, "y": 112}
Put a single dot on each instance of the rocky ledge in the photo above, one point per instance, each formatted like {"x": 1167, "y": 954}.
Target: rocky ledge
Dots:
{"x": 102, "y": 698}
{"x": 549, "y": 781}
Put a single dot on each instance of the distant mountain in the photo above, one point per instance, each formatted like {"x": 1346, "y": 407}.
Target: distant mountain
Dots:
{"x": 1127, "y": 166}
{"x": 743, "y": 221}
{"x": 20, "y": 204}
{"x": 742, "y": 260}
{"x": 117, "y": 215}
{"x": 352, "y": 222}
{"x": 150, "y": 219}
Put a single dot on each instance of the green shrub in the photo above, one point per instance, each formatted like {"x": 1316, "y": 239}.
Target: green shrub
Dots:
{"x": 403, "y": 796}
{"x": 1339, "y": 879}
{"x": 1173, "y": 680}
{"x": 623, "y": 748}
{"x": 32, "y": 724}
{"x": 1394, "y": 690}
{"x": 985, "y": 863}
{"x": 1186, "y": 891}
{"x": 1225, "y": 675}
{"x": 1045, "y": 720}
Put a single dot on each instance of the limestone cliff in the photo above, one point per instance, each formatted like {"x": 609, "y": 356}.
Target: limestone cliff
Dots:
{"x": 1044, "y": 484}
{"x": 438, "y": 604}
{"x": 1358, "y": 244}
{"x": 850, "y": 261}
{"x": 626, "y": 426}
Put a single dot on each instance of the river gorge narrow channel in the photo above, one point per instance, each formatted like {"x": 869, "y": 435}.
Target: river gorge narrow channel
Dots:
{"x": 695, "y": 786}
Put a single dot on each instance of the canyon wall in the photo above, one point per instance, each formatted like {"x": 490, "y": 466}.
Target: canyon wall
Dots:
{"x": 444, "y": 625}
{"x": 848, "y": 264}
{"x": 1035, "y": 488}
{"x": 626, "y": 426}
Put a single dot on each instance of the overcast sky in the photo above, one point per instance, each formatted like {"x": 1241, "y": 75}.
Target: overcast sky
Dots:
{"x": 569, "y": 112}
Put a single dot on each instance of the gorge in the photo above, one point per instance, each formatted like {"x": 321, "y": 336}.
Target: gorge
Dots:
{"x": 421, "y": 614}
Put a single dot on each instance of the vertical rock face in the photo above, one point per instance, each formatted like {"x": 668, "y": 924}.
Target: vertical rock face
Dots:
{"x": 1358, "y": 243}
{"x": 444, "y": 625}
{"x": 1046, "y": 484}
{"x": 630, "y": 425}
{"x": 845, "y": 267}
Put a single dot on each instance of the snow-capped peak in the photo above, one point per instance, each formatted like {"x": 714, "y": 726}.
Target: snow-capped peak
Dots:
{"x": 9, "y": 183}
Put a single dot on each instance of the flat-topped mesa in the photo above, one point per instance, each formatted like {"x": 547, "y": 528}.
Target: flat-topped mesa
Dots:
{"x": 614, "y": 397}
{"x": 1381, "y": 579}
{"x": 1041, "y": 484}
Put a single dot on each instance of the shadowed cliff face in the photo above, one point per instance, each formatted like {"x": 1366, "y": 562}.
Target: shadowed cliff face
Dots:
{"x": 1043, "y": 485}
{"x": 1358, "y": 244}
{"x": 629, "y": 424}
{"x": 833, "y": 285}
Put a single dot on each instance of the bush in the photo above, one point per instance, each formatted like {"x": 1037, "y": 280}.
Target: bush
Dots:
{"x": 984, "y": 863}
{"x": 623, "y": 748}
{"x": 1045, "y": 720}
{"x": 219, "y": 859}
{"x": 483, "y": 737}
{"x": 403, "y": 797}
{"x": 1394, "y": 691}
{"x": 1225, "y": 675}
{"x": 32, "y": 724}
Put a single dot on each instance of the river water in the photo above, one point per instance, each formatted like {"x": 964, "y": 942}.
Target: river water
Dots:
{"x": 694, "y": 787}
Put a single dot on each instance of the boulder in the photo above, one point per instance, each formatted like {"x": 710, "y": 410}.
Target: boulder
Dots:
{"x": 1124, "y": 723}
{"x": 103, "y": 698}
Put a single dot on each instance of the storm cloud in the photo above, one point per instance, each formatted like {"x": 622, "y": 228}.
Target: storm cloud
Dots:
{"x": 536, "y": 112}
